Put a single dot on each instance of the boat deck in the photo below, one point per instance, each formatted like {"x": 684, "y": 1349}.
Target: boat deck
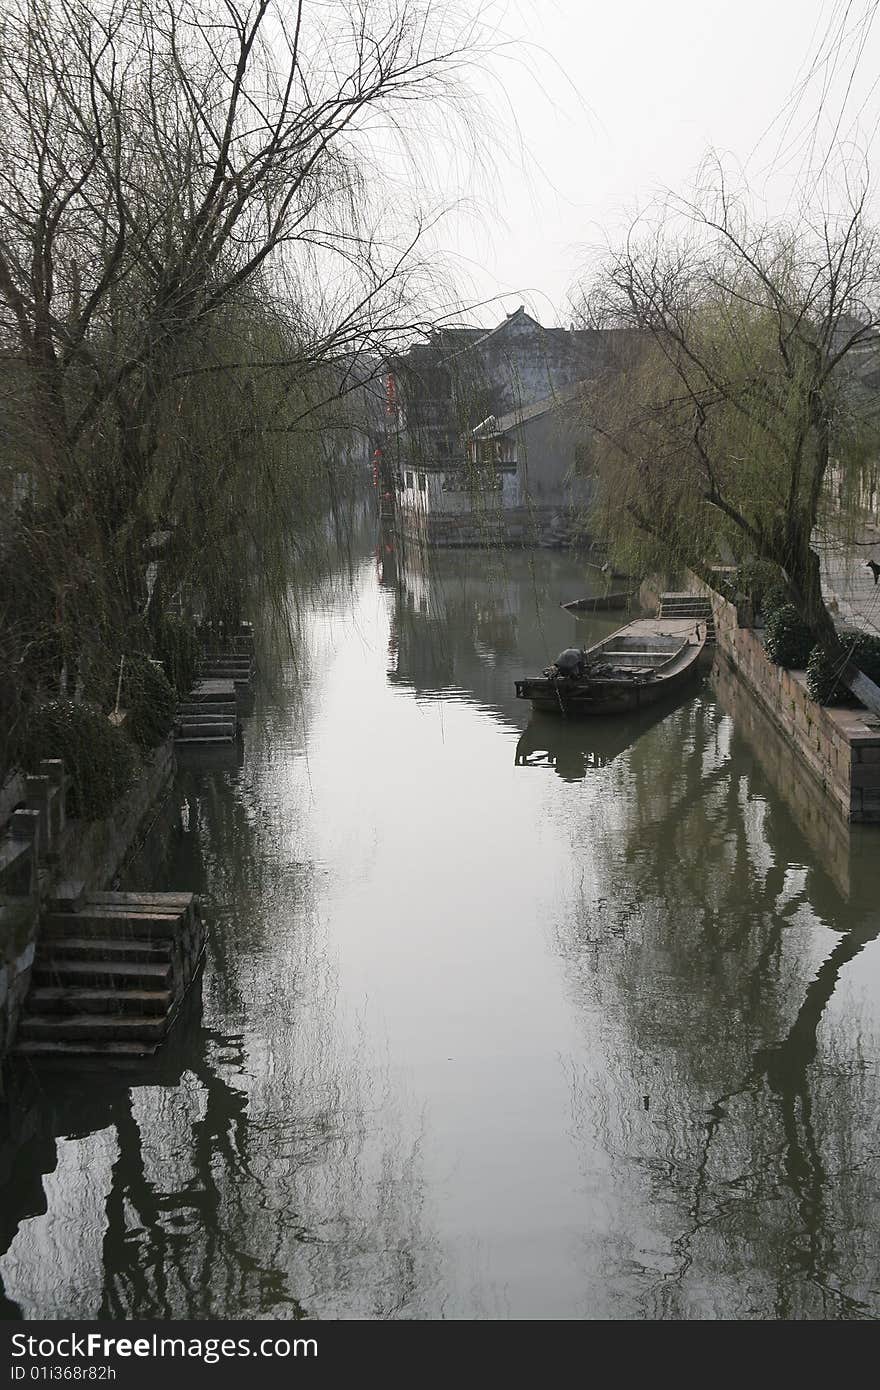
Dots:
{"x": 648, "y": 628}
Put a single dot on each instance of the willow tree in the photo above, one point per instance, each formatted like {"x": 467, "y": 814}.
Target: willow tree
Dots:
{"x": 196, "y": 242}
{"x": 734, "y": 396}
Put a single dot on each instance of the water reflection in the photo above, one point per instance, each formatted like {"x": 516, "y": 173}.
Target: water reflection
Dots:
{"x": 467, "y": 623}
{"x": 730, "y": 1096}
{"x": 503, "y": 1016}
{"x": 574, "y": 746}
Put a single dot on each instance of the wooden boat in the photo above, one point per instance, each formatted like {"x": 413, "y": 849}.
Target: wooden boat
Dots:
{"x": 600, "y": 603}
{"x": 635, "y": 666}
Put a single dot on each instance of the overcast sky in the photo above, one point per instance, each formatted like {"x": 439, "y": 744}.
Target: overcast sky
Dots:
{"x": 615, "y": 101}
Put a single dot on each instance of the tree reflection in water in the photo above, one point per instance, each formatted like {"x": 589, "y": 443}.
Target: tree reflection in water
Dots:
{"x": 253, "y": 1169}
{"x": 751, "y": 1110}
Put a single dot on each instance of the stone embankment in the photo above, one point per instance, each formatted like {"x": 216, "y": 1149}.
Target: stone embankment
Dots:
{"x": 106, "y": 971}
{"x": 42, "y": 847}
{"x": 545, "y": 526}
{"x": 840, "y": 745}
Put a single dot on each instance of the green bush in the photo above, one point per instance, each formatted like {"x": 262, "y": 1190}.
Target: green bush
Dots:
{"x": 787, "y": 638}
{"x": 148, "y": 696}
{"x": 100, "y": 759}
{"x": 178, "y": 648}
{"x": 823, "y": 674}
{"x": 823, "y": 681}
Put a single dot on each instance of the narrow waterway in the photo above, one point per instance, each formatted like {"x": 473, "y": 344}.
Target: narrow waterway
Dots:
{"x": 501, "y": 1017}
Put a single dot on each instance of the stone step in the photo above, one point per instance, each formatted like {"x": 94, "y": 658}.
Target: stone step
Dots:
{"x": 240, "y": 666}
{"x": 116, "y": 974}
{"x": 79, "y": 1000}
{"x": 97, "y": 921}
{"x": 103, "y": 949}
{"x": 211, "y": 691}
{"x": 140, "y": 901}
{"x": 67, "y": 896}
{"x": 60, "y": 1050}
{"x": 193, "y": 728}
{"x": 219, "y": 708}
{"x": 184, "y": 739}
{"x": 207, "y": 721}
{"x": 98, "y": 1028}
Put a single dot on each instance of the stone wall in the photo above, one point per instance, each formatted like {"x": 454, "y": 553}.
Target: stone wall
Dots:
{"x": 839, "y": 747}
{"x": 819, "y": 819}
{"x": 93, "y": 852}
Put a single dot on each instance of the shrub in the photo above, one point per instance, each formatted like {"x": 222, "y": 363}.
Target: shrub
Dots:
{"x": 148, "y": 696}
{"x": 787, "y": 638}
{"x": 823, "y": 674}
{"x": 823, "y": 681}
{"x": 100, "y": 759}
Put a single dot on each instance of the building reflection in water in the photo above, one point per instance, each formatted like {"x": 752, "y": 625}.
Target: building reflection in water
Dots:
{"x": 465, "y": 624}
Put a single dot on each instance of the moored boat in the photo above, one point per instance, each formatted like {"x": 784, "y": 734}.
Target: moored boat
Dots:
{"x": 600, "y": 603}
{"x": 632, "y": 667}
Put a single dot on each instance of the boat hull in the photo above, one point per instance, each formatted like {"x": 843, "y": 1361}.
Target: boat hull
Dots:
{"x": 601, "y": 603}
{"x": 576, "y": 698}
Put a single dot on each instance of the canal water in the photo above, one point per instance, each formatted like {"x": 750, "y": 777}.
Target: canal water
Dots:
{"x": 502, "y": 1017}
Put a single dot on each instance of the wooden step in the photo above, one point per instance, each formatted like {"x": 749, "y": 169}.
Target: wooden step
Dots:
{"x": 115, "y": 974}
{"x": 93, "y": 1027}
{"x": 102, "y": 949}
{"x": 79, "y": 1000}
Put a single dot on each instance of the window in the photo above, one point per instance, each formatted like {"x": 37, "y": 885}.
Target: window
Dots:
{"x": 423, "y": 482}
{"x": 409, "y": 478}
